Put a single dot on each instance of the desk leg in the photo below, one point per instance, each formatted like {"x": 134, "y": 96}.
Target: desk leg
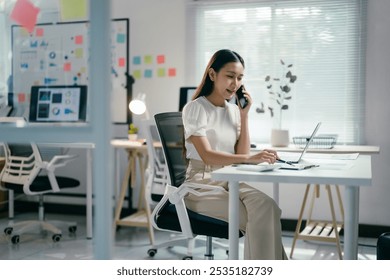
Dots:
{"x": 117, "y": 175}
{"x": 142, "y": 201}
{"x": 89, "y": 193}
{"x": 124, "y": 187}
{"x": 275, "y": 193}
{"x": 351, "y": 232}
{"x": 233, "y": 220}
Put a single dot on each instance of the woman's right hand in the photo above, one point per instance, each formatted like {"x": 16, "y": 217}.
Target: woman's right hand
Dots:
{"x": 269, "y": 156}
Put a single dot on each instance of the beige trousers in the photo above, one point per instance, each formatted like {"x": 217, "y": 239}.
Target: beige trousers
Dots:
{"x": 259, "y": 214}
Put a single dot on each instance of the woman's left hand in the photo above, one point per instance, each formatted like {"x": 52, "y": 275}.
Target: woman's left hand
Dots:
{"x": 250, "y": 101}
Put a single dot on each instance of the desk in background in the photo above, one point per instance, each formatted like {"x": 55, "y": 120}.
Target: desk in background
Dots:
{"x": 136, "y": 152}
{"x": 352, "y": 178}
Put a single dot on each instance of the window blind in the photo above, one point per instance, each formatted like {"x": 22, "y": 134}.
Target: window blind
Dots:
{"x": 325, "y": 42}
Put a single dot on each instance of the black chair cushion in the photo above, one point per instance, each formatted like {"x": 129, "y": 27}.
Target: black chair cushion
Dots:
{"x": 41, "y": 183}
{"x": 200, "y": 224}
{"x": 383, "y": 247}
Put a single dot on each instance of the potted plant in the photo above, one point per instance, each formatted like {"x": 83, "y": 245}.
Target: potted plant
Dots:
{"x": 279, "y": 90}
{"x": 132, "y": 133}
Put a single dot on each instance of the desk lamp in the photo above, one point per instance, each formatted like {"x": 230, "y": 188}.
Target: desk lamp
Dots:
{"x": 138, "y": 105}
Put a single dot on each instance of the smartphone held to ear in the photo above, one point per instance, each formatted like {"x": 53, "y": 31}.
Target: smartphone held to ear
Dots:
{"x": 241, "y": 98}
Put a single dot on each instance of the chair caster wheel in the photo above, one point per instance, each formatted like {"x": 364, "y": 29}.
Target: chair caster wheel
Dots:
{"x": 8, "y": 230}
{"x": 186, "y": 258}
{"x": 56, "y": 237}
{"x": 152, "y": 252}
{"x": 15, "y": 239}
{"x": 72, "y": 229}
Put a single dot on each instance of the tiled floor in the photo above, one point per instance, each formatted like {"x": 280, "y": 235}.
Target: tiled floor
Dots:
{"x": 133, "y": 243}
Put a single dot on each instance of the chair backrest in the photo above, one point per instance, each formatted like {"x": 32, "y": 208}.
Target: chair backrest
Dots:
{"x": 156, "y": 171}
{"x": 171, "y": 131}
{"x": 21, "y": 163}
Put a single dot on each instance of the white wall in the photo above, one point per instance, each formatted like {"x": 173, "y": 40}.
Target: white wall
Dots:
{"x": 159, "y": 27}
{"x": 156, "y": 27}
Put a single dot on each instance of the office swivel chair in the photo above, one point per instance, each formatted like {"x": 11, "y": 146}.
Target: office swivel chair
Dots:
{"x": 156, "y": 173}
{"x": 26, "y": 172}
{"x": 171, "y": 213}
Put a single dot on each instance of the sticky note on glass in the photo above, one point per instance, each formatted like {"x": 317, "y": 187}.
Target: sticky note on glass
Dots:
{"x": 148, "y": 59}
{"x": 161, "y": 72}
{"x": 25, "y": 13}
{"x": 73, "y": 9}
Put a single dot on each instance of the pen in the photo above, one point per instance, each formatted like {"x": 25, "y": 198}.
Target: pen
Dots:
{"x": 310, "y": 166}
{"x": 283, "y": 161}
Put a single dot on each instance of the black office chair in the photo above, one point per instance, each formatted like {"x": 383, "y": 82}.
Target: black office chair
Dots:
{"x": 171, "y": 213}
{"x": 26, "y": 172}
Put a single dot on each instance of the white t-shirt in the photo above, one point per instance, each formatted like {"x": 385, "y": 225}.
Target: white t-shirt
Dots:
{"x": 221, "y": 125}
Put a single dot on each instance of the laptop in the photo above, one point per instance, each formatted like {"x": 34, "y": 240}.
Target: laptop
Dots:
{"x": 58, "y": 103}
{"x": 295, "y": 163}
{"x": 291, "y": 164}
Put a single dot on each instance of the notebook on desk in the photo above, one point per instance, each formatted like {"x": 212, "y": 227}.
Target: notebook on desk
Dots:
{"x": 58, "y": 103}
{"x": 296, "y": 163}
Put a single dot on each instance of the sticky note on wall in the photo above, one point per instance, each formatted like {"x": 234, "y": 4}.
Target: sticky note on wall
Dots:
{"x": 161, "y": 72}
{"x": 148, "y": 73}
{"x": 136, "y": 60}
{"x": 137, "y": 74}
{"x": 172, "y": 72}
{"x": 148, "y": 59}
{"x": 160, "y": 59}
{"x": 121, "y": 62}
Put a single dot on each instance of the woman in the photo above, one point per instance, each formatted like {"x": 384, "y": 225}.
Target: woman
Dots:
{"x": 216, "y": 134}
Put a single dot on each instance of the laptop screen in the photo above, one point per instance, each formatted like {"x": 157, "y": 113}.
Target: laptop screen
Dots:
{"x": 310, "y": 140}
{"x": 58, "y": 104}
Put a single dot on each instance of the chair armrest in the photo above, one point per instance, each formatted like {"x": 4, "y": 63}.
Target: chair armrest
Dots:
{"x": 176, "y": 197}
{"x": 189, "y": 187}
{"x": 59, "y": 161}
{"x": 56, "y": 161}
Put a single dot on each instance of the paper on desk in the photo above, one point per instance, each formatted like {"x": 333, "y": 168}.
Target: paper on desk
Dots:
{"x": 350, "y": 156}
{"x": 335, "y": 165}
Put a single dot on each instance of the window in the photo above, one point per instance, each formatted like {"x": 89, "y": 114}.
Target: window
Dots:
{"x": 323, "y": 39}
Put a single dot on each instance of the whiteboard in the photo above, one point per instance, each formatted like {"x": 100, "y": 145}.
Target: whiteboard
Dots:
{"x": 58, "y": 54}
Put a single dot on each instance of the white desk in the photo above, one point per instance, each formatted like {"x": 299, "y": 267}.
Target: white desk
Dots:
{"x": 337, "y": 149}
{"x": 352, "y": 178}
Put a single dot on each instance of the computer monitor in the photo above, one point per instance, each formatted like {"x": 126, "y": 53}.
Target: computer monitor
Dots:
{"x": 186, "y": 94}
{"x": 58, "y": 103}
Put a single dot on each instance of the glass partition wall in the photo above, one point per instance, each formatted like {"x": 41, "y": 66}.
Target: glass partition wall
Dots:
{"x": 38, "y": 63}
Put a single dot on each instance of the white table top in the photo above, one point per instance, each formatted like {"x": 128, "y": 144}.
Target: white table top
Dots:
{"x": 352, "y": 173}
{"x": 361, "y": 149}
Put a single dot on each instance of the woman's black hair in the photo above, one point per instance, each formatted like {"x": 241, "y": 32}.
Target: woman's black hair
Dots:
{"x": 217, "y": 61}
